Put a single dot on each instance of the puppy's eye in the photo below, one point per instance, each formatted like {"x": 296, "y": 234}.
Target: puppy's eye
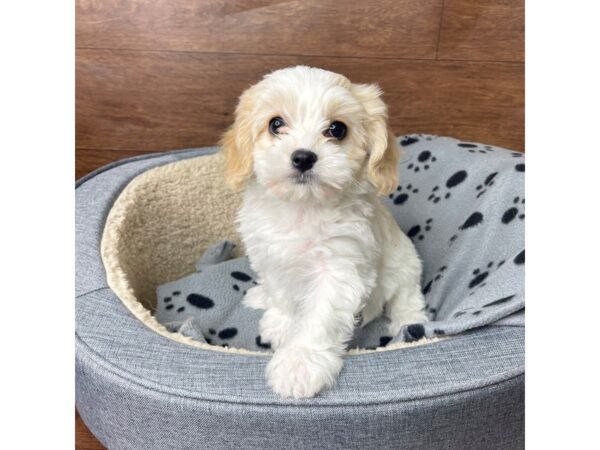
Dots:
{"x": 275, "y": 124}
{"x": 336, "y": 130}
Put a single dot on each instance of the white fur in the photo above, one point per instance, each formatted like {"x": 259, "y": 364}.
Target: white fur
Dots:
{"x": 325, "y": 250}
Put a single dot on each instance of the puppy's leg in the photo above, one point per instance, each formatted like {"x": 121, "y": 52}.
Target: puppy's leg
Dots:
{"x": 274, "y": 325}
{"x": 275, "y": 322}
{"x": 256, "y": 298}
{"x": 405, "y": 307}
{"x": 401, "y": 283}
{"x": 373, "y": 307}
{"x": 310, "y": 357}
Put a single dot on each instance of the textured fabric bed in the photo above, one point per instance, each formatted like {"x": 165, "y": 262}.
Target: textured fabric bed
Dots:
{"x": 140, "y": 386}
{"x": 463, "y": 206}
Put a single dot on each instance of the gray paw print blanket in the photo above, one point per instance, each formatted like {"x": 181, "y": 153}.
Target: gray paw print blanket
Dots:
{"x": 462, "y": 204}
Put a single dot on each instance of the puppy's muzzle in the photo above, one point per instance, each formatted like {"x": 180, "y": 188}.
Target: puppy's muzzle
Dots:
{"x": 303, "y": 160}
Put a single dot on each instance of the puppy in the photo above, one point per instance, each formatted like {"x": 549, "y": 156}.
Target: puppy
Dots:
{"x": 313, "y": 151}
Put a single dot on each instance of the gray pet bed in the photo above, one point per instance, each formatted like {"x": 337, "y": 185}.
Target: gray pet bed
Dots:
{"x": 190, "y": 381}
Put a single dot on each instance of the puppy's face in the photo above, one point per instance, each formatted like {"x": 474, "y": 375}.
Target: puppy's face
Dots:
{"x": 310, "y": 134}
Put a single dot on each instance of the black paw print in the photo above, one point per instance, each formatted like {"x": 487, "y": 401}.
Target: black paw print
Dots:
{"x": 408, "y": 140}
{"x": 414, "y": 332}
{"x": 513, "y": 212}
{"x": 261, "y": 344}
{"x": 418, "y": 231}
{"x": 244, "y": 278}
{"x": 481, "y": 274}
{"x": 434, "y": 197}
{"x": 402, "y": 196}
{"x": 424, "y": 161}
{"x": 170, "y": 305}
{"x": 520, "y": 258}
{"x": 476, "y": 312}
{"x": 499, "y": 301}
{"x": 456, "y": 179}
{"x": 200, "y": 301}
{"x": 520, "y": 167}
{"x": 472, "y": 221}
{"x": 439, "y": 275}
{"x": 474, "y": 148}
{"x": 224, "y": 334}
{"x": 196, "y": 300}
{"x": 470, "y": 310}
{"x": 488, "y": 182}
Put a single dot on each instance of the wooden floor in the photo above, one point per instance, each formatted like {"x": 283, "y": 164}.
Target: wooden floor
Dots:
{"x": 166, "y": 74}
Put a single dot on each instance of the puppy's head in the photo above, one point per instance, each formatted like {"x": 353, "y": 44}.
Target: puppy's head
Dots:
{"x": 310, "y": 134}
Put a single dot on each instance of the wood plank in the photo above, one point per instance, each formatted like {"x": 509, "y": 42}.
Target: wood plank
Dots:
{"x": 486, "y": 30}
{"x": 84, "y": 439}
{"x": 149, "y": 101}
{"x": 395, "y": 28}
{"x": 88, "y": 160}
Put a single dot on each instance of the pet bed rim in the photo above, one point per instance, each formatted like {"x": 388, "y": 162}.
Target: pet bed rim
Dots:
{"x": 118, "y": 284}
{"x": 84, "y": 350}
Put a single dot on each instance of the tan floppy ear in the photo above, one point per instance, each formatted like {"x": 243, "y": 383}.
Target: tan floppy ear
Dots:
{"x": 237, "y": 144}
{"x": 384, "y": 152}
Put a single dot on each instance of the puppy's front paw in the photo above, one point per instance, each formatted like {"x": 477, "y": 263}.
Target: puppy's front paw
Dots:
{"x": 409, "y": 317}
{"x": 301, "y": 372}
{"x": 255, "y": 298}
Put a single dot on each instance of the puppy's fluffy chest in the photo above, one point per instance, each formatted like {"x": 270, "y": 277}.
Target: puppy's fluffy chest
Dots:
{"x": 299, "y": 240}
{"x": 301, "y": 226}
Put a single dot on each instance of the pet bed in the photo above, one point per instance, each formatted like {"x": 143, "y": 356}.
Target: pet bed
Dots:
{"x": 197, "y": 379}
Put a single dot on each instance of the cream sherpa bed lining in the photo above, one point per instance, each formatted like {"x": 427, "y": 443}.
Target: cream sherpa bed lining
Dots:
{"x": 159, "y": 226}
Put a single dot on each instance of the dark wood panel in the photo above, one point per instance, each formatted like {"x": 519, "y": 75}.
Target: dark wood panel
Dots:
{"x": 84, "y": 439}
{"x": 88, "y": 160}
{"x": 395, "y": 28}
{"x": 156, "y": 100}
{"x": 483, "y": 30}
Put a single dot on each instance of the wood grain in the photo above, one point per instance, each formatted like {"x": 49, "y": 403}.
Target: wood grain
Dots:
{"x": 149, "y": 101}
{"x": 84, "y": 439}
{"x": 485, "y": 30}
{"x": 394, "y": 28}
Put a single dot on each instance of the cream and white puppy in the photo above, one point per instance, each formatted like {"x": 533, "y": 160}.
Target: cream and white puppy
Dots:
{"x": 313, "y": 151}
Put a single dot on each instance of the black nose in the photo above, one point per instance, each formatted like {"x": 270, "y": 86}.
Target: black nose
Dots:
{"x": 303, "y": 160}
